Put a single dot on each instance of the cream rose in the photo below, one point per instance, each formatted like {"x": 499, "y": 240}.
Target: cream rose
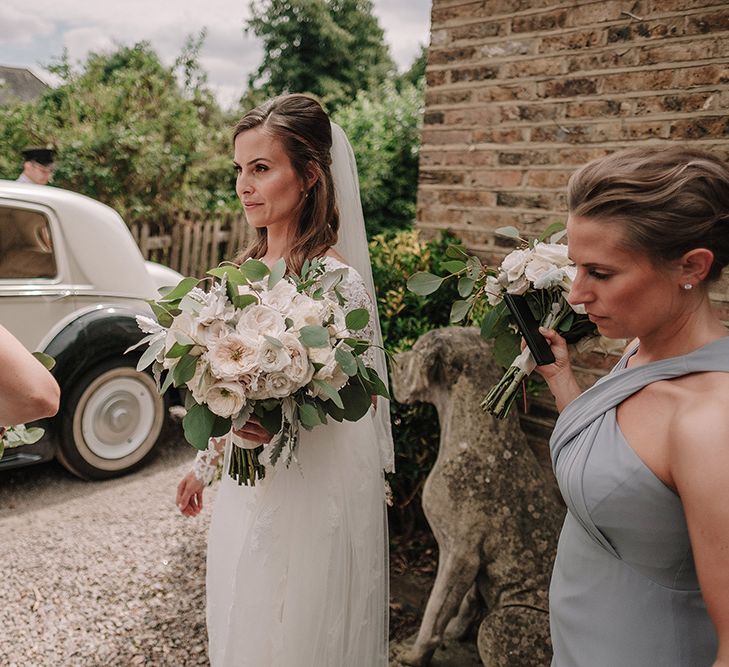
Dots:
{"x": 305, "y": 311}
{"x": 226, "y": 398}
{"x": 263, "y": 320}
{"x": 554, "y": 253}
{"x": 280, "y": 297}
{"x": 233, "y": 356}
{"x": 543, "y": 274}
{"x": 514, "y": 263}
{"x": 300, "y": 369}
{"x": 201, "y": 382}
{"x": 272, "y": 358}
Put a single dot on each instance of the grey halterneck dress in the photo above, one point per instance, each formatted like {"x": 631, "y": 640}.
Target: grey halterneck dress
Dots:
{"x": 624, "y": 591}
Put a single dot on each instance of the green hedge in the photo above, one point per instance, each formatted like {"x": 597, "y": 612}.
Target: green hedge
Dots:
{"x": 405, "y": 317}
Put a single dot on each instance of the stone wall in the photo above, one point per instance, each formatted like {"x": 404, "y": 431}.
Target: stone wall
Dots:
{"x": 521, "y": 92}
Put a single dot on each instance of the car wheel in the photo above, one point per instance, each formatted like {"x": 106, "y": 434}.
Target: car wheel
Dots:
{"x": 111, "y": 420}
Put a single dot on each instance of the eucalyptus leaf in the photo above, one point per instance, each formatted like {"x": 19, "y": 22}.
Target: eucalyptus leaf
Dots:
{"x": 377, "y": 385}
{"x": 465, "y": 286}
{"x": 271, "y": 419}
{"x": 309, "y": 416}
{"x": 456, "y": 252}
{"x": 166, "y": 384}
{"x": 459, "y": 309}
{"x": 357, "y": 319}
{"x": 254, "y": 270}
{"x": 163, "y": 315}
{"x": 198, "y": 426}
{"x": 178, "y": 350}
{"x": 243, "y": 300}
{"x": 508, "y": 232}
{"x": 346, "y": 360}
{"x": 474, "y": 268}
{"x": 423, "y": 283}
{"x": 554, "y": 228}
{"x": 314, "y": 336}
{"x": 453, "y": 266}
{"x": 356, "y": 399}
{"x": 278, "y": 271}
{"x": 231, "y": 273}
{"x": 184, "y": 370}
{"x": 362, "y": 369}
{"x": 184, "y": 286}
{"x": 491, "y": 320}
{"x": 274, "y": 341}
{"x": 330, "y": 391}
{"x": 507, "y": 347}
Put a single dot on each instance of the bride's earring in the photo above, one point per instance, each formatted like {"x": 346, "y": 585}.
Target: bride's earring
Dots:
{"x": 688, "y": 286}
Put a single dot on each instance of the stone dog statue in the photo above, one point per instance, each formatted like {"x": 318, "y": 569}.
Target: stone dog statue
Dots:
{"x": 494, "y": 516}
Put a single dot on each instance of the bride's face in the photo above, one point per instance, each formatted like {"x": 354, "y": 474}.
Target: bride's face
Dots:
{"x": 267, "y": 184}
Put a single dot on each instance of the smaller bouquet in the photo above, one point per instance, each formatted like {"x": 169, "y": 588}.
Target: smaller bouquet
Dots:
{"x": 258, "y": 342}
{"x": 539, "y": 270}
{"x": 20, "y": 434}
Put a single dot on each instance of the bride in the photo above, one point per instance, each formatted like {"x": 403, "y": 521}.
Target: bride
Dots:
{"x": 297, "y": 565}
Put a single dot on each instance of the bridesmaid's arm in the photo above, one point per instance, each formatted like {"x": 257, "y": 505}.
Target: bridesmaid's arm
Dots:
{"x": 559, "y": 376}
{"x": 699, "y": 466}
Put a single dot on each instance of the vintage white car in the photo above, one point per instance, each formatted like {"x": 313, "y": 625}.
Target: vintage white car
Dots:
{"x": 72, "y": 280}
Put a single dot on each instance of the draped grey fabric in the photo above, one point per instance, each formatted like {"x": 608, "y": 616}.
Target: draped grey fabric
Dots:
{"x": 624, "y": 591}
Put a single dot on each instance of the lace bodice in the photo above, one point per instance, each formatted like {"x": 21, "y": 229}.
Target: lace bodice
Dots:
{"x": 353, "y": 289}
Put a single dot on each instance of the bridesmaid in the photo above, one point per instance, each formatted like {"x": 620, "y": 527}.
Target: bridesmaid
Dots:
{"x": 642, "y": 458}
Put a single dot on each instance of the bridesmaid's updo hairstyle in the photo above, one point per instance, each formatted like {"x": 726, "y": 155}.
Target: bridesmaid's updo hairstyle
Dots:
{"x": 668, "y": 201}
{"x": 304, "y": 130}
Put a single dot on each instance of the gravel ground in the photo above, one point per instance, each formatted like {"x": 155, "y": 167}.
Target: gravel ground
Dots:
{"x": 109, "y": 574}
{"x": 102, "y": 574}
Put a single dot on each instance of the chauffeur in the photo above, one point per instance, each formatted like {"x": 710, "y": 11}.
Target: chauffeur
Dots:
{"x": 37, "y": 166}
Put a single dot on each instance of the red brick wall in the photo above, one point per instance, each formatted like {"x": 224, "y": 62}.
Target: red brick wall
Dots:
{"x": 521, "y": 92}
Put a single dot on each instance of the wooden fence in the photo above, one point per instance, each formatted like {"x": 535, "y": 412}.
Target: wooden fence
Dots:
{"x": 194, "y": 245}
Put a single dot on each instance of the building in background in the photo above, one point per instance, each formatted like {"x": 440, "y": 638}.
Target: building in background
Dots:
{"x": 19, "y": 83}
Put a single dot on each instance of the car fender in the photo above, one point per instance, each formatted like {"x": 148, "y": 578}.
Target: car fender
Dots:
{"x": 106, "y": 331}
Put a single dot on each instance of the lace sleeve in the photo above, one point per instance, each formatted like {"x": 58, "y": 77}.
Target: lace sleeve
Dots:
{"x": 206, "y": 462}
{"x": 357, "y": 297}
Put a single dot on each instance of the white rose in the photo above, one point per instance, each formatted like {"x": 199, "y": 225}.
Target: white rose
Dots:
{"x": 554, "y": 253}
{"x": 519, "y": 286}
{"x": 514, "y": 263}
{"x": 233, "y": 356}
{"x": 226, "y": 398}
{"x": 331, "y": 372}
{"x": 216, "y": 307}
{"x": 184, "y": 328}
{"x": 543, "y": 274}
{"x": 277, "y": 385}
{"x": 263, "y": 320}
{"x": 493, "y": 291}
{"x": 280, "y": 297}
{"x": 300, "y": 369}
{"x": 271, "y": 358}
{"x": 305, "y": 311}
{"x": 201, "y": 382}
{"x": 212, "y": 333}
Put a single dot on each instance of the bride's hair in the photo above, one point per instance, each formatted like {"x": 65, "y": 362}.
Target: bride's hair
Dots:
{"x": 304, "y": 130}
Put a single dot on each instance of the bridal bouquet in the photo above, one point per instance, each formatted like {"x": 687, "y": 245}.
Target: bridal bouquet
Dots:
{"x": 257, "y": 342}
{"x": 539, "y": 270}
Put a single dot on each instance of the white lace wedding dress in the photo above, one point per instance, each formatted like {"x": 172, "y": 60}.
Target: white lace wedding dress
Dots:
{"x": 297, "y": 565}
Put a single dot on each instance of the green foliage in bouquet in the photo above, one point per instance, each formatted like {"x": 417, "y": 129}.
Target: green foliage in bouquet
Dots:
{"x": 405, "y": 317}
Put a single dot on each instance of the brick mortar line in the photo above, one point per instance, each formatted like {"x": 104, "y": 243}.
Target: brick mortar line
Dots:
{"x": 590, "y": 50}
{"x": 588, "y": 26}
{"x": 578, "y": 98}
{"x": 630, "y": 95}
{"x": 657, "y": 67}
{"x": 603, "y": 144}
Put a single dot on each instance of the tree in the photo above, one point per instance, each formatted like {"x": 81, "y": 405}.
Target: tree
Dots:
{"x": 331, "y": 49}
{"x": 383, "y": 127}
{"x": 142, "y": 137}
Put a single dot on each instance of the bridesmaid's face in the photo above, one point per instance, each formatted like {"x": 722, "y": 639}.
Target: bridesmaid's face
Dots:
{"x": 267, "y": 185}
{"x": 623, "y": 291}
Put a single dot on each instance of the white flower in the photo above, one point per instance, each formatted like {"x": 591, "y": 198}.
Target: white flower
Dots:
{"x": 276, "y": 385}
{"x": 280, "y": 297}
{"x": 305, "y": 311}
{"x": 514, "y": 263}
{"x": 233, "y": 356}
{"x": 493, "y": 291}
{"x": 300, "y": 369}
{"x": 554, "y": 253}
{"x": 331, "y": 372}
{"x": 148, "y": 325}
{"x": 212, "y": 333}
{"x": 543, "y": 274}
{"x": 201, "y": 382}
{"x": 272, "y": 358}
{"x": 262, "y": 320}
{"x": 519, "y": 286}
{"x": 226, "y": 398}
{"x": 215, "y": 307}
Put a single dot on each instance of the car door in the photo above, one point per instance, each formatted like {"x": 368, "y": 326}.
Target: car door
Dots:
{"x": 36, "y": 293}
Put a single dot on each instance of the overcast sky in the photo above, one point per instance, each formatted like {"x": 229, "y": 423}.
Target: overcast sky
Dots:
{"x": 31, "y": 33}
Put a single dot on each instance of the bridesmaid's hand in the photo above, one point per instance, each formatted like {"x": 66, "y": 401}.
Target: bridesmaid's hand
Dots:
{"x": 559, "y": 375}
{"x": 254, "y": 432}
